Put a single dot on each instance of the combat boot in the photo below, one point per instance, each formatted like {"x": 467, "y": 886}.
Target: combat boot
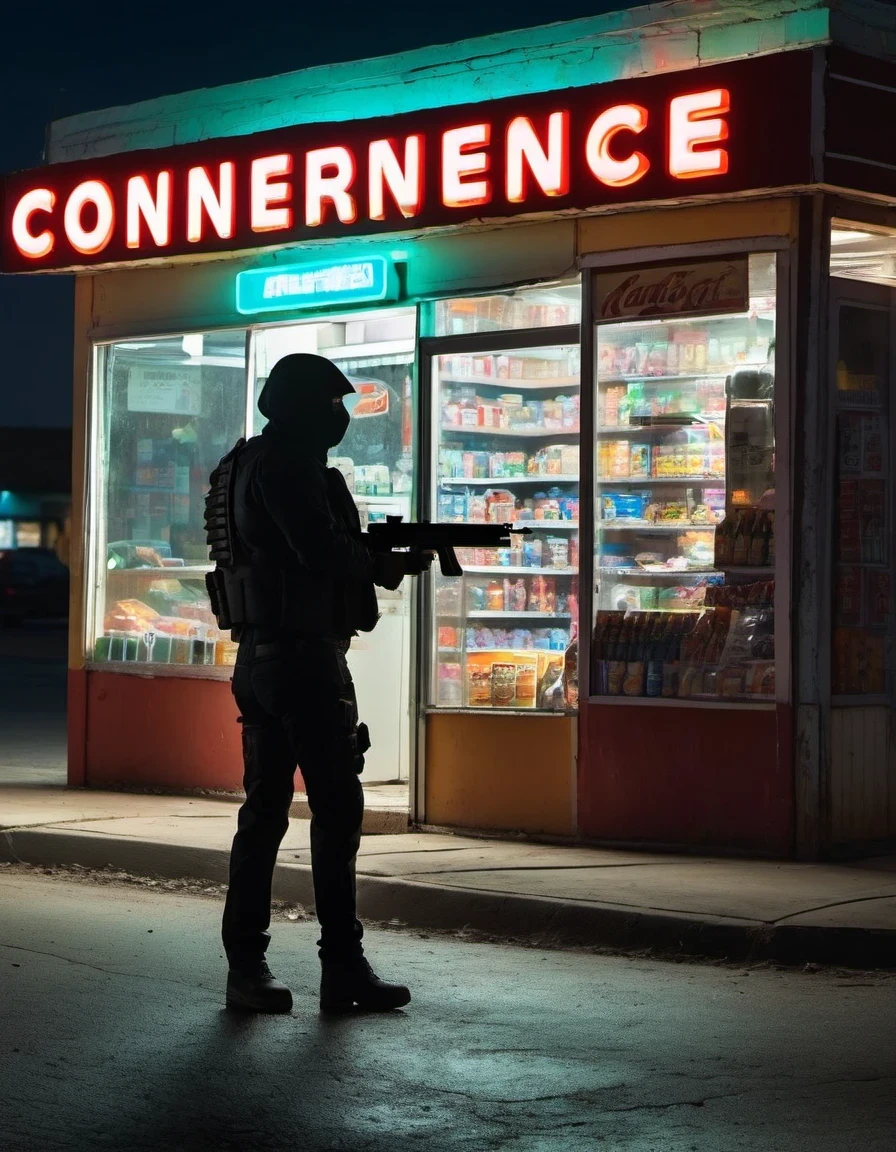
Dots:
{"x": 253, "y": 988}
{"x": 343, "y": 984}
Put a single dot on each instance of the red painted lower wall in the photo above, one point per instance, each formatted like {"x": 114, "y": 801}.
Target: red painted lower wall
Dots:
{"x": 716, "y": 778}
{"x": 162, "y": 732}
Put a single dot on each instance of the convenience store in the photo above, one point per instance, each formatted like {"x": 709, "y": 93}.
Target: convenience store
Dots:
{"x": 632, "y": 287}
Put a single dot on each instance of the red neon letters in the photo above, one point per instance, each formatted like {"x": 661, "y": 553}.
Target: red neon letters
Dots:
{"x": 519, "y": 160}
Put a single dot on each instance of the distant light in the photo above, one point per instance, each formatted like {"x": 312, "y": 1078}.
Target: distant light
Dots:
{"x": 192, "y": 344}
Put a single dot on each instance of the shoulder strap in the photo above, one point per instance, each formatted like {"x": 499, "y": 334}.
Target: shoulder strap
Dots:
{"x": 220, "y": 528}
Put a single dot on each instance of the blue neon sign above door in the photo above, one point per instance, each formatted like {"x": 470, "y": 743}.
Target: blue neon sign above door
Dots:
{"x": 368, "y": 279}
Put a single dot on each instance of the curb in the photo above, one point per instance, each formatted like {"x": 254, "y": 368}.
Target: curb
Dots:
{"x": 534, "y": 920}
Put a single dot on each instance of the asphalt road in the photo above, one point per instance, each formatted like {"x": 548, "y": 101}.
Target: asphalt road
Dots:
{"x": 113, "y": 1036}
{"x": 32, "y": 703}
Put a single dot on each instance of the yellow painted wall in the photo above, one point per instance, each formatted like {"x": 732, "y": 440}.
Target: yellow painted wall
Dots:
{"x": 691, "y": 225}
{"x": 501, "y": 771}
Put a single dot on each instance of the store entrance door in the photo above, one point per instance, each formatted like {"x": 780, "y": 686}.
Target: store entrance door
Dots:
{"x": 861, "y": 782}
{"x": 376, "y": 351}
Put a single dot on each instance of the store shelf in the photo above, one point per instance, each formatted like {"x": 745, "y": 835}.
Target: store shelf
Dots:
{"x": 676, "y": 572}
{"x": 522, "y": 385}
{"x": 526, "y": 433}
{"x": 698, "y": 421}
{"x": 484, "y": 614}
{"x": 557, "y": 653}
{"x": 497, "y": 481}
{"x": 745, "y": 570}
{"x": 646, "y": 526}
{"x": 703, "y": 481}
{"x": 173, "y": 573}
{"x": 155, "y": 489}
{"x": 707, "y": 375}
{"x": 520, "y": 570}
{"x": 535, "y": 525}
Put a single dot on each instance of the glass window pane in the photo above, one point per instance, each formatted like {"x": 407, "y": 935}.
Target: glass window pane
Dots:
{"x": 506, "y": 449}
{"x": 862, "y": 253}
{"x": 542, "y": 306}
{"x": 861, "y": 609}
{"x": 685, "y": 488}
{"x": 376, "y": 352}
{"x": 170, "y": 409}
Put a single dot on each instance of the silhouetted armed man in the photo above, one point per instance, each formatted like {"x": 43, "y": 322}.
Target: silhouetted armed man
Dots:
{"x": 297, "y": 582}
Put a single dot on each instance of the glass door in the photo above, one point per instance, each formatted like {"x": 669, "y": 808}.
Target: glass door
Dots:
{"x": 506, "y": 431}
{"x": 376, "y": 351}
{"x": 685, "y": 481}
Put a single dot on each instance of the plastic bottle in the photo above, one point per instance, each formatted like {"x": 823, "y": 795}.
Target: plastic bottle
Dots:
{"x": 571, "y": 672}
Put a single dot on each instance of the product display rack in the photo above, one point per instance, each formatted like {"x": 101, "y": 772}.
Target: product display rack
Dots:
{"x": 506, "y": 450}
{"x": 681, "y": 458}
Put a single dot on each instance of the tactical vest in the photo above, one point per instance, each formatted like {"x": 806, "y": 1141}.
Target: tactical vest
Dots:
{"x": 240, "y": 592}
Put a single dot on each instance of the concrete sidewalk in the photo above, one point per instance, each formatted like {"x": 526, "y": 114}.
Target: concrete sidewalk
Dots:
{"x": 553, "y": 895}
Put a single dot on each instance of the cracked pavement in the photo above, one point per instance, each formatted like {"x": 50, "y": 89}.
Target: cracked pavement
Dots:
{"x": 115, "y": 1037}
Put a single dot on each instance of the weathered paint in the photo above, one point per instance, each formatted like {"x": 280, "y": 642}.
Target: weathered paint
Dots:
{"x": 863, "y": 774}
{"x": 641, "y": 41}
{"x": 717, "y": 778}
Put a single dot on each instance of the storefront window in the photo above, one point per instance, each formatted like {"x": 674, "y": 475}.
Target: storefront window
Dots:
{"x": 685, "y": 481}
{"x": 169, "y": 408}
{"x": 376, "y": 353}
{"x": 541, "y": 306}
{"x": 506, "y": 449}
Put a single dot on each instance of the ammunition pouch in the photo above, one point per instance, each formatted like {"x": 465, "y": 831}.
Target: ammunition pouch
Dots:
{"x": 248, "y": 594}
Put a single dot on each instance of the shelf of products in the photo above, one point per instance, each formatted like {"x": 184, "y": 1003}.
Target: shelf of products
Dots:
{"x": 529, "y": 431}
{"x": 521, "y": 383}
{"x": 726, "y": 652}
{"x": 506, "y": 434}
{"x": 531, "y": 478}
{"x": 684, "y": 528}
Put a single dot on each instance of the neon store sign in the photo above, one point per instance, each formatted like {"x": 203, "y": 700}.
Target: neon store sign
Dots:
{"x": 671, "y": 135}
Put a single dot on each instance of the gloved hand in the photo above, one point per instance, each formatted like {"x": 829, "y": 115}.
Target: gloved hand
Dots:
{"x": 390, "y": 568}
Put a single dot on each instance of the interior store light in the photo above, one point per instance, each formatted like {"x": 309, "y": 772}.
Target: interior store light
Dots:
{"x": 848, "y": 236}
{"x": 193, "y": 344}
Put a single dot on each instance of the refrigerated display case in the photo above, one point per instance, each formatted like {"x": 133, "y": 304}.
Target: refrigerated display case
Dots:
{"x": 684, "y": 483}
{"x": 505, "y": 436}
{"x": 376, "y": 352}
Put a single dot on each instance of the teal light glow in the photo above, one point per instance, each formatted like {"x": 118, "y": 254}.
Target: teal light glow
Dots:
{"x": 366, "y": 279}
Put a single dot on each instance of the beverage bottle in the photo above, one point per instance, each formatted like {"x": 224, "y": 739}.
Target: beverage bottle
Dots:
{"x": 672, "y": 636}
{"x": 495, "y": 596}
{"x": 740, "y": 552}
{"x": 759, "y": 542}
{"x": 616, "y": 670}
{"x": 770, "y": 549}
{"x": 633, "y": 684}
{"x": 571, "y": 671}
{"x": 654, "y": 658}
{"x": 724, "y": 543}
{"x": 599, "y": 654}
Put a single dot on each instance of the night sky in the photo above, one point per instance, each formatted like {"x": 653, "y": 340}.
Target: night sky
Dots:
{"x": 67, "y": 58}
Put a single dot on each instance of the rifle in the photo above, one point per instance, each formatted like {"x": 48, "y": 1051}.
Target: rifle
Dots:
{"x": 441, "y": 538}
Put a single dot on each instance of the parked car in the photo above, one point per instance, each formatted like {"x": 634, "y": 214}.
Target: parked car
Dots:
{"x": 33, "y": 583}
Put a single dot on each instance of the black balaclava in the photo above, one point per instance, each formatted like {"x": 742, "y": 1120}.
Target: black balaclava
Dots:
{"x": 297, "y": 399}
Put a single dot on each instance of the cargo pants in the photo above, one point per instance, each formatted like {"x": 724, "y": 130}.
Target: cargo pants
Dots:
{"x": 297, "y": 708}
